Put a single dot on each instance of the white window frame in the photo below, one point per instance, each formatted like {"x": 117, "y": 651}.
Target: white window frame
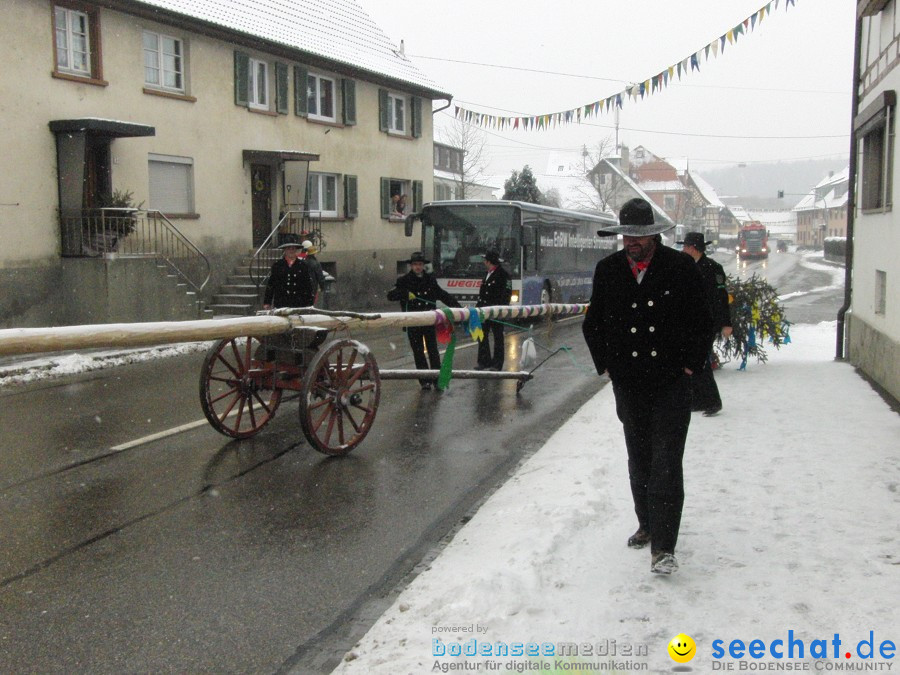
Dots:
{"x": 68, "y": 49}
{"x": 314, "y": 87}
{"x": 397, "y": 104}
{"x": 256, "y": 99}
{"x": 159, "y": 56}
{"x": 188, "y": 195}
{"x": 317, "y": 194}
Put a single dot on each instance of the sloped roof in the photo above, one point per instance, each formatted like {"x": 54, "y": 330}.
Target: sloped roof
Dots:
{"x": 706, "y": 190}
{"x": 336, "y": 30}
{"x": 662, "y": 186}
{"x": 831, "y": 192}
{"x": 638, "y": 192}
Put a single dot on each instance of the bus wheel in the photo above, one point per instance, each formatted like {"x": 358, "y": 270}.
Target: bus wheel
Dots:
{"x": 546, "y": 294}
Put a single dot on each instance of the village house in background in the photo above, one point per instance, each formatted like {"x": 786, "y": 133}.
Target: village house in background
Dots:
{"x": 159, "y": 143}
{"x": 872, "y": 323}
{"x": 823, "y": 212}
{"x": 449, "y": 178}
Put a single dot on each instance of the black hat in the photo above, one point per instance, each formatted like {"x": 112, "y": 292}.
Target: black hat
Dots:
{"x": 418, "y": 256}
{"x": 695, "y": 239}
{"x": 492, "y": 257}
{"x": 287, "y": 240}
{"x": 636, "y": 220}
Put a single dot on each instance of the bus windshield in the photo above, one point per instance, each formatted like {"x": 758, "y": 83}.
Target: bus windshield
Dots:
{"x": 458, "y": 235}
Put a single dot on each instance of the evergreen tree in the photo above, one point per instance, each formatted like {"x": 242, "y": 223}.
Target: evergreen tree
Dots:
{"x": 522, "y": 187}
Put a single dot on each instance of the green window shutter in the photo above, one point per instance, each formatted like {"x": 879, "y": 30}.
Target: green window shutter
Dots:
{"x": 351, "y": 207}
{"x": 348, "y": 88}
{"x": 418, "y": 194}
{"x": 385, "y": 197}
{"x": 241, "y": 79}
{"x": 300, "y": 85}
{"x": 415, "y": 104}
{"x": 281, "y": 88}
{"x": 383, "y": 109}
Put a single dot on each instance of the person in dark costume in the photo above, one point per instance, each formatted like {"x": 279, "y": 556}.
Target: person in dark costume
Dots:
{"x": 648, "y": 327}
{"x": 418, "y": 291}
{"x": 703, "y": 385}
{"x": 290, "y": 283}
{"x": 496, "y": 289}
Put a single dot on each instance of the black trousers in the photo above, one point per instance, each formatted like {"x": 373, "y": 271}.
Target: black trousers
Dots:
{"x": 485, "y": 360}
{"x": 705, "y": 392}
{"x": 655, "y": 421}
{"x": 422, "y": 339}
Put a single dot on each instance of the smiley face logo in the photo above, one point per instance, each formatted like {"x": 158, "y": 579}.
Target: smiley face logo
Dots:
{"x": 682, "y": 648}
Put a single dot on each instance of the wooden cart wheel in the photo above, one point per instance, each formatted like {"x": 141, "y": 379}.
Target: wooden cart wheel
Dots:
{"x": 237, "y": 388}
{"x": 339, "y": 397}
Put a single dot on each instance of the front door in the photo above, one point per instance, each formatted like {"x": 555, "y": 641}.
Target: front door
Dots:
{"x": 97, "y": 183}
{"x": 261, "y": 189}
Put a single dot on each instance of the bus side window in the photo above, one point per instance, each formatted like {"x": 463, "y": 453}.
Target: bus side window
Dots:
{"x": 529, "y": 247}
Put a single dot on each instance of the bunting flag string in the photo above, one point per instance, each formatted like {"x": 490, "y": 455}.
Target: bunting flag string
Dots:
{"x": 634, "y": 92}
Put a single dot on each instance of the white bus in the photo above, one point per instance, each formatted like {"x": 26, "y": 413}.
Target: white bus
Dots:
{"x": 549, "y": 253}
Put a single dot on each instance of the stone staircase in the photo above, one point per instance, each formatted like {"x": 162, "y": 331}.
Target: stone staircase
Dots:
{"x": 238, "y": 296}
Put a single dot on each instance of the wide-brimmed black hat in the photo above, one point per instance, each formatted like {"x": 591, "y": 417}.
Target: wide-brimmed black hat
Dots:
{"x": 288, "y": 239}
{"x": 290, "y": 244}
{"x": 695, "y": 239}
{"x": 418, "y": 256}
{"x": 636, "y": 220}
{"x": 492, "y": 257}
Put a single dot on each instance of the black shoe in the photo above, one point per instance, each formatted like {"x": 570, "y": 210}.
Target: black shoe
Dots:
{"x": 426, "y": 386}
{"x": 710, "y": 412}
{"x": 639, "y": 539}
{"x": 481, "y": 367}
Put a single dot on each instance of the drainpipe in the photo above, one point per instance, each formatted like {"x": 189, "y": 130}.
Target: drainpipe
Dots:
{"x": 851, "y": 197}
{"x": 434, "y": 112}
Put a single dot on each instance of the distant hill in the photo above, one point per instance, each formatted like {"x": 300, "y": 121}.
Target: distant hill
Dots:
{"x": 756, "y": 185}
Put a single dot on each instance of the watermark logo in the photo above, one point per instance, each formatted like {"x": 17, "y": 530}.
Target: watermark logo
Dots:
{"x": 682, "y": 648}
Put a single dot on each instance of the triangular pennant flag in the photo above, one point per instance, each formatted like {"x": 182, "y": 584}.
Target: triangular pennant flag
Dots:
{"x": 695, "y": 63}
{"x": 715, "y": 47}
{"x": 730, "y": 36}
{"x": 722, "y": 44}
{"x": 706, "y": 52}
{"x": 789, "y": 3}
{"x": 753, "y": 20}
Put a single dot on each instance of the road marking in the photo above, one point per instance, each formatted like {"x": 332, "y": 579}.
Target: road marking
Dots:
{"x": 160, "y": 434}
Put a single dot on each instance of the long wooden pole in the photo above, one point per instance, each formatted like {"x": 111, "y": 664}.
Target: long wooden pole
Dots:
{"x": 66, "y": 338}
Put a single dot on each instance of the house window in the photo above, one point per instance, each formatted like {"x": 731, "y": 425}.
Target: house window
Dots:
{"x": 163, "y": 62}
{"x": 171, "y": 184}
{"x": 875, "y": 131}
{"x": 396, "y": 114}
{"x": 259, "y": 85}
{"x": 880, "y": 292}
{"x": 320, "y": 98}
{"x": 400, "y": 197}
{"x": 76, "y": 41}
{"x": 322, "y": 194}
{"x": 442, "y": 191}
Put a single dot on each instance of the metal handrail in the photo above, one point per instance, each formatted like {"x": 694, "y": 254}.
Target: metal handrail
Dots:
{"x": 93, "y": 233}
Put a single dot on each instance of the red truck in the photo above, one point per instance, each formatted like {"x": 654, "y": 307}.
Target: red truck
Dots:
{"x": 753, "y": 241}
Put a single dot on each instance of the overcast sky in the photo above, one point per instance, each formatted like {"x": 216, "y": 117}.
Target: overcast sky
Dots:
{"x": 790, "y": 78}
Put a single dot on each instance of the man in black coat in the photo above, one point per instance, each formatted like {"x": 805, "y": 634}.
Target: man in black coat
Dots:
{"x": 648, "y": 327}
{"x": 418, "y": 291}
{"x": 495, "y": 289}
{"x": 289, "y": 283}
{"x": 705, "y": 392}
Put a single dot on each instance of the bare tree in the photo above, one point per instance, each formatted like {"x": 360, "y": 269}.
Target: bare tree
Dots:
{"x": 471, "y": 140}
{"x": 597, "y": 190}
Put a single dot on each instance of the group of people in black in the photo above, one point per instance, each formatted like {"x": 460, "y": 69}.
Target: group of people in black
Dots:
{"x": 650, "y": 327}
{"x": 418, "y": 290}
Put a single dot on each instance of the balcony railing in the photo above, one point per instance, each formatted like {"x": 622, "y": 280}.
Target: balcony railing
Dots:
{"x": 94, "y": 233}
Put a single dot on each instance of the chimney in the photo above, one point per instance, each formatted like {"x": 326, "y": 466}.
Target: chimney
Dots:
{"x": 402, "y": 49}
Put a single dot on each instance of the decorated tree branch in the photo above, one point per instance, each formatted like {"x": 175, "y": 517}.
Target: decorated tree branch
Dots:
{"x": 756, "y": 317}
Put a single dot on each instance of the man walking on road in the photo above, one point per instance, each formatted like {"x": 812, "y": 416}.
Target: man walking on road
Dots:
{"x": 703, "y": 384}
{"x": 648, "y": 327}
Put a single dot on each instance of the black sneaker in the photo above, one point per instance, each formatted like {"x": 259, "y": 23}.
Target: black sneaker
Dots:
{"x": 639, "y": 539}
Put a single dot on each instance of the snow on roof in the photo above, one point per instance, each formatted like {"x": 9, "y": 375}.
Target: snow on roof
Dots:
{"x": 706, "y": 190}
{"x": 831, "y": 192}
{"x": 662, "y": 186}
{"x": 638, "y": 191}
{"x": 338, "y": 30}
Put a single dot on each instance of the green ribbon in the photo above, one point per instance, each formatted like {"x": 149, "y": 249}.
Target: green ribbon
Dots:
{"x": 447, "y": 364}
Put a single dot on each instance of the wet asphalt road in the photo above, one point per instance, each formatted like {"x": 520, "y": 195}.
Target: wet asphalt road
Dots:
{"x": 190, "y": 552}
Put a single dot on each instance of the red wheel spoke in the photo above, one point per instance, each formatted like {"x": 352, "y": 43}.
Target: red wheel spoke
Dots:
{"x": 233, "y": 390}
{"x": 228, "y": 365}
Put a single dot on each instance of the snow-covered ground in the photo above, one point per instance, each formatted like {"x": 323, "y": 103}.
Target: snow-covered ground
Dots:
{"x": 791, "y": 532}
